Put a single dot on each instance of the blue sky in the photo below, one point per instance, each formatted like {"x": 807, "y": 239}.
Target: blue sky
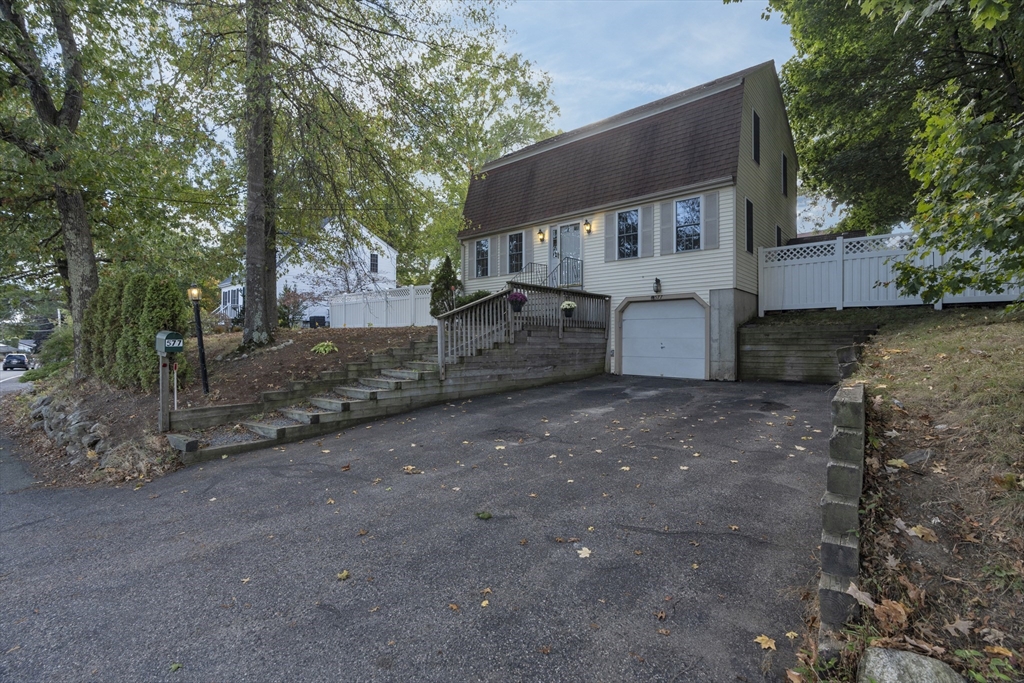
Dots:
{"x": 607, "y": 56}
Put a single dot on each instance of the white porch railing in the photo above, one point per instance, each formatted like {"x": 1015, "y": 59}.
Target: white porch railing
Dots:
{"x": 846, "y": 273}
{"x": 483, "y": 323}
{"x": 402, "y": 307}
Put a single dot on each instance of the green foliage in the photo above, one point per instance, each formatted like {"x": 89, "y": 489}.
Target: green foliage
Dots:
{"x": 47, "y": 370}
{"x": 165, "y": 308}
{"x": 444, "y": 289}
{"x": 470, "y": 298}
{"x": 129, "y": 356}
{"x": 59, "y": 346}
{"x": 323, "y": 348}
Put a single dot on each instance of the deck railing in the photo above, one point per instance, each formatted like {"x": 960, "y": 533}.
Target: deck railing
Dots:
{"x": 470, "y": 329}
{"x": 532, "y": 274}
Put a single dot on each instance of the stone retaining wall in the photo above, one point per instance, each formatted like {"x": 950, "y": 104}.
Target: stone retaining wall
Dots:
{"x": 840, "y": 506}
{"x": 70, "y": 427}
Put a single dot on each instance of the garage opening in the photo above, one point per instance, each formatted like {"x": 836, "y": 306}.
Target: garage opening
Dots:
{"x": 664, "y": 339}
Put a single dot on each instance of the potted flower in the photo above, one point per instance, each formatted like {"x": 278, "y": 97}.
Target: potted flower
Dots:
{"x": 568, "y": 307}
{"x": 517, "y": 300}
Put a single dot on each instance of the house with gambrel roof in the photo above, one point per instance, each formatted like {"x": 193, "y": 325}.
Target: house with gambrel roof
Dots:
{"x": 662, "y": 208}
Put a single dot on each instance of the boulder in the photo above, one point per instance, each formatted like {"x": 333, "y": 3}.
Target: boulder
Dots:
{"x": 101, "y": 447}
{"x": 78, "y": 430}
{"x": 90, "y": 440}
{"x": 42, "y": 402}
{"x": 879, "y": 665}
{"x": 100, "y": 429}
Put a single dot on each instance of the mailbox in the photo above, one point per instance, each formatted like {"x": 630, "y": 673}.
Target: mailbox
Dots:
{"x": 169, "y": 342}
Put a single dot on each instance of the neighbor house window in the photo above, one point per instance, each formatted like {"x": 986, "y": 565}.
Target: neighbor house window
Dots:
{"x": 225, "y": 298}
{"x": 778, "y": 236}
{"x": 373, "y": 263}
{"x": 628, "y": 231}
{"x": 750, "y": 226}
{"x": 515, "y": 252}
{"x": 234, "y": 297}
{"x": 785, "y": 176}
{"x": 483, "y": 255}
{"x": 757, "y": 138}
{"x": 688, "y": 224}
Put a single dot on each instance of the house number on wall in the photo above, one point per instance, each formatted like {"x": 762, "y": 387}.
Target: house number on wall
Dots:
{"x": 656, "y": 297}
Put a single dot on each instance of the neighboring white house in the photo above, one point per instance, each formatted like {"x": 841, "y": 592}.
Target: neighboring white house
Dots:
{"x": 662, "y": 208}
{"x": 363, "y": 264}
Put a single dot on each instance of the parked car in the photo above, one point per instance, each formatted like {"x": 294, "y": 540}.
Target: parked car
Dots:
{"x": 15, "y": 361}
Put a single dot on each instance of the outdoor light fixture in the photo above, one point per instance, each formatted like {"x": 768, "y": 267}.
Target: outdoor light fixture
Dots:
{"x": 540, "y": 234}
{"x": 195, "y": 294}
{"x": 587, "y": 226}
{"x": 657, "y": 285}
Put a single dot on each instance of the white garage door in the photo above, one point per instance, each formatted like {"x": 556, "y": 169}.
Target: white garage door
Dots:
{"x": 664, "y": 339}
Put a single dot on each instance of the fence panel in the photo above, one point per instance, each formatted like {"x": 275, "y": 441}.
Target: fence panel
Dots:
{"x": 846, "y": 273}
{"x": 399, "y": 307}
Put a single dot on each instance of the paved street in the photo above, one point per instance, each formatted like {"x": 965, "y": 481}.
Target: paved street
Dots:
{"x": 640, "y": 530}
{"x": 9, "y": 381}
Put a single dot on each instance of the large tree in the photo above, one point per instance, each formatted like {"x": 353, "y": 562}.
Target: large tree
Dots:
{"x": 357, "y": 111}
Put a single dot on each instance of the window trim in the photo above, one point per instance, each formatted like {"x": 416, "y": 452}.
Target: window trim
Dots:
{"x": 476, "y": 257}
{"x": 374, "y": 263}
{"x": 749, "y": 224}
{"x": 756, "y": 135}
{"x": 522, "y": 252}
{"x": 700, "y": 225}
{"x": 617, "y": 235}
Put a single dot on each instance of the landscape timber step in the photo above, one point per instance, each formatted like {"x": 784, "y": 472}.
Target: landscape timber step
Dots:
{"x": 424, "y": 365}
{"x": 363, "y": 393}
{"x": 410, "y": 375}
{"x": 269, "y": 431}
{"x": 386, "y": 383}
{"x": 337, "y": 405}
{"x": 309, "y": 417}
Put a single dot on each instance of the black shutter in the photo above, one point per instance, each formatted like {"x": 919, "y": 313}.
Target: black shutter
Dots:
{"x": 750, "y": 226}
{"x": 757, "y": 138}
{"x": 785, "y": 176}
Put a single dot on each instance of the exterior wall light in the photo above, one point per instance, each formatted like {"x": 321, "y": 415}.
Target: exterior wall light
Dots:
{"x": 657, "y": 285}
{"x": 587, "y": 226}
{"x": 540, "y": 234}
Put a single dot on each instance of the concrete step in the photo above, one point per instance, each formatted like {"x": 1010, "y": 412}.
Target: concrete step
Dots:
{"x": 363, "y": 393}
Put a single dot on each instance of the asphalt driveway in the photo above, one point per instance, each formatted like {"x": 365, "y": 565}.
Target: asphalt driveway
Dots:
{"x": 697, "y": 502}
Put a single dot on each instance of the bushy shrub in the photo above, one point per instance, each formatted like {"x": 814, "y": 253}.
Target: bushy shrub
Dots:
{"x": 470, "y": 298}
{"x": 165, "y": 308}
{"x": 444, "y": 289}
{"x": 129, "y": 357}
{"x": 59, "y": 346}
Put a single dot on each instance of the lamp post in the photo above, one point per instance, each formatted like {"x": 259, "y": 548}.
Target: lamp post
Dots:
{"x": 194, "y": 294}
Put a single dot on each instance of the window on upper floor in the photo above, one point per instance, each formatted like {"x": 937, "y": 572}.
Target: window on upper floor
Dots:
{"x": 483, "y": 256}
{"x": 688, "y": 224}
{"x": 785, "y": 176}
{"x": 515, "y": 252}
{"x": 757, "y": 138}
{"x": 628, "y": 234}
{"x": 374, "y": 264}
{"x": 750, "y": 226}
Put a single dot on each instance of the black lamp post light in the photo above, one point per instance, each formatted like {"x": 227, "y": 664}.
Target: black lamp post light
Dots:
{"x": 195, "y": 294}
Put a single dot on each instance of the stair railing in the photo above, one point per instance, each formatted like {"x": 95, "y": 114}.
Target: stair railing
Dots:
{"x": 469, "y": 329}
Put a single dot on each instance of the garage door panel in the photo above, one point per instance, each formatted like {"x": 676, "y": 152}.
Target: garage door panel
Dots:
{"x": 664, "y": 339}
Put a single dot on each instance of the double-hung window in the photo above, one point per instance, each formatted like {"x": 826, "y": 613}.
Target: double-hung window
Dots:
{"x": 688, "y": 224}
{"x": 373, "y": 263}
{"x": 628, "y": 234}
{"x": 483, "y": 255}
{"x": 515, "y": 252}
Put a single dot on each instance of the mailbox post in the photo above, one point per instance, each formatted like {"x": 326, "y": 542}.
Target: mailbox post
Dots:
{"x": 168, "y": 343}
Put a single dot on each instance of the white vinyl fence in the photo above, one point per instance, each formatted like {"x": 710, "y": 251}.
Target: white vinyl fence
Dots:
{"x": 402, "y": 307}
{"x": 845, "y": 273}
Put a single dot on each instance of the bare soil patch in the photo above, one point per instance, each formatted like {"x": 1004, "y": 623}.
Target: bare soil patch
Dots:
{"x": 233, "y": 378}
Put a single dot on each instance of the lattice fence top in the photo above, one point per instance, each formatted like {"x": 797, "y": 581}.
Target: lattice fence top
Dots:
{"x": 803, "y": 252}
{"x": 869, "y": 245}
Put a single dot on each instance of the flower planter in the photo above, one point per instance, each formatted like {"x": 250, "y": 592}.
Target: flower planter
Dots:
{"x": 517, "y": 306}
{"x": 567, "y": 312}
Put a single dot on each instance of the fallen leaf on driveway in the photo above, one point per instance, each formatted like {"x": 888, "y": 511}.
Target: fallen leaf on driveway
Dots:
{"x": 794, "y": 677}
{"x": 624, "y": 469}
{"x": 246, "y": 580}
{"x": 486, "y": 591}
{"x": 800, "y": 448}
{"x": 485, "y": 603}
{"x": 346, "y": 468}
{"x": 792, "y": 635}
{"x": 664, "y": 631}
{"x": 733, "y": 527}
{"x": 409, "y": 469}
{"x": 453, "y": 607}
{"x": 661, "y": 615}
{"x": 484, "y": 515}
{"x": 362, "y": 532}
{"x": 683, "y": 467}
{"x": 499, "y": 448}
{"x": 344, "y": 576}
{"x": 583, "y": 552}
{"x": 330, "y": 501}
{"x": 765, "y": 642}
{"x": 325, "y": 450}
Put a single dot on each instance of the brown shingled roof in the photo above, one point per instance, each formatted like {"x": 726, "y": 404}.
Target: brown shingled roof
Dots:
{"x": 656, "y": 147}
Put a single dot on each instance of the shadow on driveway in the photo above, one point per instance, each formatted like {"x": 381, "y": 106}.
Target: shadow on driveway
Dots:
{"x": 697, "y": 502}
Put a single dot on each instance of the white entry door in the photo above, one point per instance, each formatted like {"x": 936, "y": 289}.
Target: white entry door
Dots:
{"x": 565, "y": 244}
{"x": 664, "y": 339}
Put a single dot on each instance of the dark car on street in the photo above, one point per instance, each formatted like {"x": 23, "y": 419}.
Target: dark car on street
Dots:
{"x": 15, "y": 361}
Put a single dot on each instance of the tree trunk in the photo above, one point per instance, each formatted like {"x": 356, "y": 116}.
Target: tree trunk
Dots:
{"x": 256, "y": 329}
{"x": 269, "y": 192}
{"x": 81, "y": 264}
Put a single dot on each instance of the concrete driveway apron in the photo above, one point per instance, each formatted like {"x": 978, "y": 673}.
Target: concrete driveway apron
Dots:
{"x": 640, "y": 530}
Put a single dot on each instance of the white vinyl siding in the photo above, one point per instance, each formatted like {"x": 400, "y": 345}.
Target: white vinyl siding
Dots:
{"x": 762, "y": 183}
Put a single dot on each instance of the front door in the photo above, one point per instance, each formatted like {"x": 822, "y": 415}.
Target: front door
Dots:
{"x": 565, "y": 255}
